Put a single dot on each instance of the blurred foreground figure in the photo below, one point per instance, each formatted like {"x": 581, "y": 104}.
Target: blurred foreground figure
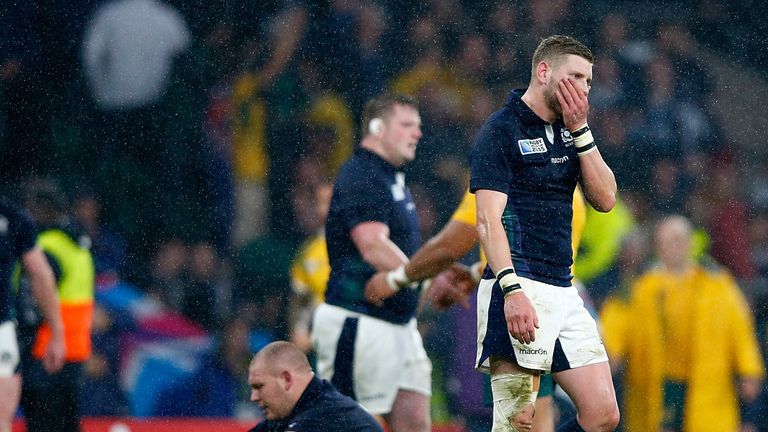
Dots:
{"x": 687, "y": 343}
{"x": 51, "y": 401}
{"x": 17, "y": 244}
{"x": 294, "y": 399}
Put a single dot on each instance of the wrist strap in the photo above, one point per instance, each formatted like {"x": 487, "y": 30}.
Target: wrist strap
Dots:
{"x": 589, "y": 148}
{"x": 397, "y": 279}
{"x": 583, "y": 140}
{"x": 580, "y": 131}
{"x": 510, "y": 289}
{"x": 505, "y": 272}
{"x": 508, "y": 281}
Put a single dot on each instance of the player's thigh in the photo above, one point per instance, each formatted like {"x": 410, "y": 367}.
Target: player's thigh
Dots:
{"x": 10, "y": 381}
{"x": 389, "y": 358}
{"x": 327, "y": 326}
{"x": 590, "y": 387}
{"x": 578, "y": 342}
{"x": 494, "y": 339}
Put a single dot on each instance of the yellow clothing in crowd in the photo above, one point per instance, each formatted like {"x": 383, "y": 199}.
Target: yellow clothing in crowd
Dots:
{"x": 249, "y": 131}
{"x": 695, "y": 328}
{"x": 310, "y": 270}
{"x": 331, "y": 110}
{"x": 466, "y": 213}
{"x": 601, "y": 241}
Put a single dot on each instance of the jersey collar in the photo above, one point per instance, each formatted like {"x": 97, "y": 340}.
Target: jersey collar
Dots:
{"x": 515, "y": 102}
{"x": 376, "y": 159}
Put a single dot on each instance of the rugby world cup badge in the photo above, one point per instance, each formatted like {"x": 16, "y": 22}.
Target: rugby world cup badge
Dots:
{"x": 530, "y": 146}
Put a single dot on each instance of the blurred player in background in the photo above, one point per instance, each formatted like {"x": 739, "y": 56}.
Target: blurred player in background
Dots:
{"x": 373, "y": 351}
{"x": 309, "y": 273}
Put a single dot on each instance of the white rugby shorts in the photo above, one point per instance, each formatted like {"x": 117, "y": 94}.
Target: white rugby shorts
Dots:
{"x": 369, "y": 359}
{"x": 567, "y": 336}
{"x": 9, "y": 350}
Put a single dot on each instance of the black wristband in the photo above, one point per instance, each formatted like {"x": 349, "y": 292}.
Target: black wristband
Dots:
{"x": 509, "y": 289}
{"x": 505, "y": 272}
{"x": 586, "y": 148}
{"x": 579, "y": 132}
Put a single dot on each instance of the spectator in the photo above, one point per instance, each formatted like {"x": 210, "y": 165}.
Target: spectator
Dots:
{"x": 167, "y": 273}
{"x": 674, "y": 379}
{"x": 108, "y": 248}
{"x": 129, "y": 49}
{"x": 202, "y": 292}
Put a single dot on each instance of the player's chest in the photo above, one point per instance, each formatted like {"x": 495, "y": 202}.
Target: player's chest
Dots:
{"x": 544, "y": 154}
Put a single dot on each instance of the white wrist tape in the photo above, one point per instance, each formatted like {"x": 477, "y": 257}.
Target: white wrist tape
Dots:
{"x": 508, "y": 281}
{"x": 396, "y": 279}
{"x": 583, "y": 140}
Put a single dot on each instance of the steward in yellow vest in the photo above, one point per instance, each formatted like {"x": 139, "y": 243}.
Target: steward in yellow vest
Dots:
{"x": 51, "y": 402}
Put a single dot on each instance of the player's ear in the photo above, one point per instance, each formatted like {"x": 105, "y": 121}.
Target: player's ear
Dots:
{"x": 286, "y": 379}
{"x": 543, "y": 72}
{"x": 376, "y": 126}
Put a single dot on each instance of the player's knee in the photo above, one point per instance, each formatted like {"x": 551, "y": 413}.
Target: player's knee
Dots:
{"x": 604, "y": 419}
{"x": 611, "y": 419}
{"x": 513, "y": 401}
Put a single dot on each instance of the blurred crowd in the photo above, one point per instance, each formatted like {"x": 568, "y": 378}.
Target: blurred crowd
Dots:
{"x": 194, "y": 140}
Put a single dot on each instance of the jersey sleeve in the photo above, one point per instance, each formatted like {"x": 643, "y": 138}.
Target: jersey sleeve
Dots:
{"x": 490, "y": 159}
{"x": 362, "y": 202}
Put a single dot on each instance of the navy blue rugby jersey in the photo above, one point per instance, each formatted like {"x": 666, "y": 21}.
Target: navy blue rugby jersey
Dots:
{"x": 321, "y": 408}
{"x": 369, "y": 189}
{"x": 17, "y": 237}
{"x": 535, "y": 164}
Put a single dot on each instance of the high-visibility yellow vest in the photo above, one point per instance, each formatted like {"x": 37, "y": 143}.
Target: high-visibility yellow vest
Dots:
{"x": 75, "y": 288}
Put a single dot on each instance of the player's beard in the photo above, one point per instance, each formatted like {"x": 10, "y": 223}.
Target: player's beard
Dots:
{"x": 550, "y": 98}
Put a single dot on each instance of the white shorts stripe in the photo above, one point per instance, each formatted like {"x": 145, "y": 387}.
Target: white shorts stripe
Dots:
{"x": 387, "y": 357}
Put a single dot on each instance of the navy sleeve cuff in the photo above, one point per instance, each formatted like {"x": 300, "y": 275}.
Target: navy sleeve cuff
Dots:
{"x": 480, "y": 183}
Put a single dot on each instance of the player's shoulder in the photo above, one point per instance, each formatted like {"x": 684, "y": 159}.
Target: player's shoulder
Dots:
{"x": 502, "y": 124}
{"x": 356, "y": 169}
{"x": 503, "y": 118}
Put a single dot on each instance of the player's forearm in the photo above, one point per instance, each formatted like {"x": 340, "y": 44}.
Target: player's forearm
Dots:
{"x": 493, "y": 239}
{"x": 598, "y": 182}
{"x": 454, "y": 241}
{"x": 372, "y": 241}
{"x": 43, "y": 285}
{"x": 383, "y": 254}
